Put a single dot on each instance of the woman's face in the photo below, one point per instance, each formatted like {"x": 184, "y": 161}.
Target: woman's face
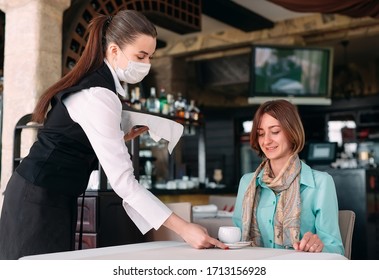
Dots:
{"x": 273, "y": 140}
{"x": 141, "y": 50}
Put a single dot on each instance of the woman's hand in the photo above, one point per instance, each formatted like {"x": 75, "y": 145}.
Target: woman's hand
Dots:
{"x": 194, "y": 234}
{"x": 136, "y": 131}
{"x": 310, "y": 243}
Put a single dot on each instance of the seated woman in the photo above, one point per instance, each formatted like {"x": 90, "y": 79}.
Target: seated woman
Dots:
{"x": 285, "y": 203}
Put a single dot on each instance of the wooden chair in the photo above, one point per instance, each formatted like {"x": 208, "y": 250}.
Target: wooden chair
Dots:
{"x": 346, "y": 220}
{"x": 183, "y": 210}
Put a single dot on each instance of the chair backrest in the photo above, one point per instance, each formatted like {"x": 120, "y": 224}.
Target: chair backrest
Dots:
{"x": 223, "y": 202}
{"x": 346, "y": 220}
{"x": 183, "y": 210}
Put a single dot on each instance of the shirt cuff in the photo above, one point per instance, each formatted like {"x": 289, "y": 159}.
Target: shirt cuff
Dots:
{"x": 146, "y": 218}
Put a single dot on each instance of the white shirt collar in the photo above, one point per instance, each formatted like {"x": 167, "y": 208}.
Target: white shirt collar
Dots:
{"x": 120, "y": 90}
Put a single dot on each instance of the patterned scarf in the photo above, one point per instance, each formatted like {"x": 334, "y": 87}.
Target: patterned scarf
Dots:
{"x": 287, "y": 216}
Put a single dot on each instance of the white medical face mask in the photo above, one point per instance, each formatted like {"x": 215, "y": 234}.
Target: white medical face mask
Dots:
{"x": 134, "y": 72}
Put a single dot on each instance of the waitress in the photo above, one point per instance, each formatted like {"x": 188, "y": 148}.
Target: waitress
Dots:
{"x": 81, "y": 116}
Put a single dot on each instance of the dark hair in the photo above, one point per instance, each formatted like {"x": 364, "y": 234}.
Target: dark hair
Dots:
{"x": 121, "y": 29}
{"x": 288, "y": 116}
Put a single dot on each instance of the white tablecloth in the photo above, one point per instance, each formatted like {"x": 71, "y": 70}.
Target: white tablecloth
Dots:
{"x": 173, "y": 250}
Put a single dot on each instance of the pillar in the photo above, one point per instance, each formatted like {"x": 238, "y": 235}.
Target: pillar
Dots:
{"x": 32, "y": 62}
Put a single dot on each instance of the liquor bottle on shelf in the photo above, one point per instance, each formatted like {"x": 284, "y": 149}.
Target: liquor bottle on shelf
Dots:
{"x": 163, "y": 102}
{"x": 171, "y": 105}
{"x": 136, "y": 103}
{"x": 152, "y": 103}
{"x": 194, "y": 112}
{"x": 132, "y": 96}
{"x": 142, "y": 99}
{"x": 125, "y": 99}
{"x": 180, "y": 106}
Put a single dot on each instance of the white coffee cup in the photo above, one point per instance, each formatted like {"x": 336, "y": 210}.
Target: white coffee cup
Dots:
{"x": 228, "y": 234}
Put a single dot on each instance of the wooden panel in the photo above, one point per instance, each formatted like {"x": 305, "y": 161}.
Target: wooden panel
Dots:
{"x": 220, "y": 143}
{"x": 89, "y": 241}
{"x": 222, "y": 71}
{"x": 106, "y": 222}
{"x": 356, "y": 191}
{"x": 220, "y": 151}
{"x": 115, "y": 226}
{"x": 89, "y": 214}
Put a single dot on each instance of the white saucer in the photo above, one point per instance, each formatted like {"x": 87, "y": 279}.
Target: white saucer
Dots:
{"x": 238, "y": 245}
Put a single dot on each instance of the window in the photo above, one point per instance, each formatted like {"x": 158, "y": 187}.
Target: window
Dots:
{"x": 341, "y": 131}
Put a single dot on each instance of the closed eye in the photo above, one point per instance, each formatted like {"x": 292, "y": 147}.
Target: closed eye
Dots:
{"x": 144, "y": 58}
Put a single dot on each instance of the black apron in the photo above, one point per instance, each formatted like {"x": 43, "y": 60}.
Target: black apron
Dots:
{"x": 42, "y": 221}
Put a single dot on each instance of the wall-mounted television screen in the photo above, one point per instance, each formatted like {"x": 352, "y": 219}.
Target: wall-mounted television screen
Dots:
{"x": 321, "y": 152}
{"x": 302, "y": 75}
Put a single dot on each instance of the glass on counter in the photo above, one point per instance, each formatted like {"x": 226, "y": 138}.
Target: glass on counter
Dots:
{"x": 186, "y": 183}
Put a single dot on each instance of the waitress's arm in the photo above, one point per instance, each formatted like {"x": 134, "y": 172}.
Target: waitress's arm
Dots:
{"x": 194, "y": 234}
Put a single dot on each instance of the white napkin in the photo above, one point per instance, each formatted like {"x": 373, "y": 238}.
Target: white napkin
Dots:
{"x": 158, "y": 127}
{"x": 205, "y": 208}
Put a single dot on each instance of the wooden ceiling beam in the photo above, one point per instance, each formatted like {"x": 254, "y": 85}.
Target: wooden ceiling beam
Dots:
{"x": 343, "y": 34}
{"x": 293, "y": 31}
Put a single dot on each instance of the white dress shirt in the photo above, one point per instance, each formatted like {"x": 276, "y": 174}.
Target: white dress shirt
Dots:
{"x": 98, "y": 111}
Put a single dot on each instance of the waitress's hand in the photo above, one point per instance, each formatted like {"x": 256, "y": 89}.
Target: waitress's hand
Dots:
{"x": 310, "y": 243}
{"x": 194, "y": 234}
{"x": 136, "y": 131}
{"x": 197, "y": 236}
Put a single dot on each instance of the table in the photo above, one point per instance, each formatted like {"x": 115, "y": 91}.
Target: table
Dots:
{"x": 174, "y": 250}
{"x": 212, "y": 224}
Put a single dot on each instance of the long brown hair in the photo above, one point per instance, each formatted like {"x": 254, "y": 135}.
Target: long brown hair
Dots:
{"x": 121, "y": 29}
{"x": 288, "y": 116}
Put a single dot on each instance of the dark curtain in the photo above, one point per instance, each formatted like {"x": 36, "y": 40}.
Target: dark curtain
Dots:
{"x": 352, "y": 8}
